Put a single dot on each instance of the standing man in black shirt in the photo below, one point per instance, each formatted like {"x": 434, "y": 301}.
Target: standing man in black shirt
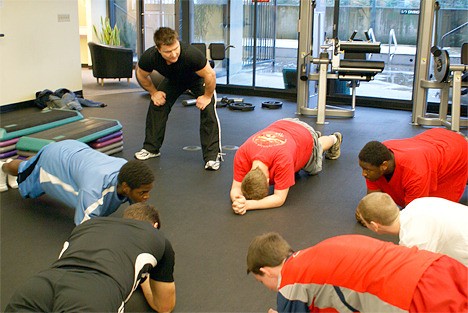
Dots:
{"x": 101, "y": 264}
{"x": 183, "y": 67}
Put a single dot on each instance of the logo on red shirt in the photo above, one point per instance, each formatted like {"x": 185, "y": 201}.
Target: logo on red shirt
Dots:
{"x": 269, "y": 139}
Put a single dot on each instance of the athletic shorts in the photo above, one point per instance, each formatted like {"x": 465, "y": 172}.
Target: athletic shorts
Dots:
{"x": 443, "y": 287}
{"x": 28, "y": 177}
{"x": 67, "y": 290}
{"x": 314, "y": 165}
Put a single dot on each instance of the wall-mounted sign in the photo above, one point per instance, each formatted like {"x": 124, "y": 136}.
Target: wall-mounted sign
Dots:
{"x": 409, "y": 11}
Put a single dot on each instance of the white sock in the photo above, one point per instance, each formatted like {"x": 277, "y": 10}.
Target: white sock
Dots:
{"x": 335, "y": 139}
{"x": 12, "y": 179}
{"x": 12, "y": 182}
{"x": 3, "y": 178}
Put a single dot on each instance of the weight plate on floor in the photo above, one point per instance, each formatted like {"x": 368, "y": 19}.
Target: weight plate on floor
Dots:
{"x": 272, "y": 104}
{"x": 243, "y": 106}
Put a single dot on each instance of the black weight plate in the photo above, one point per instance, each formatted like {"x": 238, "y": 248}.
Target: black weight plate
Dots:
{"x": 272, "y": 104}
{"x": 242, "y": 106}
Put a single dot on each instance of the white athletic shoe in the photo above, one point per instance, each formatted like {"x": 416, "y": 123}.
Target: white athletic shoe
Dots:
{"x": 212, "y": 165}
{"x": 12, "y": 182}
{"x": 3, "y": 178}
{"x": 144, "y": 154}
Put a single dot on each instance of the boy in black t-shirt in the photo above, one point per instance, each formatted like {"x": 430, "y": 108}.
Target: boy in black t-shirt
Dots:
{"x": 101, "y": 264}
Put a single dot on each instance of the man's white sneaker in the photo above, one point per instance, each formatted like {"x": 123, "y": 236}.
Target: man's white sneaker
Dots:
{"x": 212, "y": 165}
{"x": 144, "y": 154}
{"x": 3, "y": 179}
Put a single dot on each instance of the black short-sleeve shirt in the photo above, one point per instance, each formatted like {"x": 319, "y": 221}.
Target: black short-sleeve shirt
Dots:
{"x": 190, "y": 61}
{"x": 123, "y": 249}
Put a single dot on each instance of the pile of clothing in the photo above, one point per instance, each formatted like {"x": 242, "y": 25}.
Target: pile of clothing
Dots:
{"x": 63, "y": 98}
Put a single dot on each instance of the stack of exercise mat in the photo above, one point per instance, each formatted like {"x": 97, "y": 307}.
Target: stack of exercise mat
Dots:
{"x": 23, "y": 135}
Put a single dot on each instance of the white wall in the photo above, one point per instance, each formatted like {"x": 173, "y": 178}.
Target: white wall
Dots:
{"x": 38, "y": 51}
{"x": 90, "y": 13}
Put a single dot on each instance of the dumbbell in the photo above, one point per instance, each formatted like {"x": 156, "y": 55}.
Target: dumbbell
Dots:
{"x": 189, "y": 102}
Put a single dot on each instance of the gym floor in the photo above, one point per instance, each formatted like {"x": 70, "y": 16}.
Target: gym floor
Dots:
{"x": 210, "y": 241}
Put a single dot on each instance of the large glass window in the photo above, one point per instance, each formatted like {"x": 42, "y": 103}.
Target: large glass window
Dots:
{"x": 394, "y": 23}
{"x": 153, "y": 13}
{"x": 125, "y": 17}
{"x": 210, "y": 25}
{"x": 157, "y": 13}
{"x": 261, "y": 37}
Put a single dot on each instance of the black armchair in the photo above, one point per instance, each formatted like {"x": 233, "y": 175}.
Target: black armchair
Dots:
{"x": 111, "y": 62}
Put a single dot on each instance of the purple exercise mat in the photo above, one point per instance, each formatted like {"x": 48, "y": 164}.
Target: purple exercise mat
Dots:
{"x": 7, "y": 154}
{"x": 105, "y": 143}
{"x": 105, "y": 138}
{"x": 8, "y": 142}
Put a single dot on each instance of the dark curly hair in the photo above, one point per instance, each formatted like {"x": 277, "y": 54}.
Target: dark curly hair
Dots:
{"x": 142, "y": 212}
{"x": 165, "y": 36}
{"x": 375, "y": 153}
{"x": 135, "y": 173}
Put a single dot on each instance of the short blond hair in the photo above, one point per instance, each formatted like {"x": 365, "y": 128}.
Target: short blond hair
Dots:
{"x": 378, "y": 207}
{"x": 255, "y": 185}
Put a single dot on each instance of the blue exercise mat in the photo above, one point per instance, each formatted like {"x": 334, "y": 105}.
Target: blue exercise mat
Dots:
{"x": 84, "y": 130}
{"x": 25, "y": 122}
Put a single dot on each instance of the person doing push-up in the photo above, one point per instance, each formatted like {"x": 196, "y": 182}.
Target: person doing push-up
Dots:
{"x": 91, "y": 182}
{"x": 272, "y": 156}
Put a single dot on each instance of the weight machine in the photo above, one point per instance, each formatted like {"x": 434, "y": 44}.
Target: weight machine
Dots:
{"x": 341, "y": 60}
{"x": 447, "y": 76}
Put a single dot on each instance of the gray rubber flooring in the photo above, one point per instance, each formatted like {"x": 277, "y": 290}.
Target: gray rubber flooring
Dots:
{"x": 209, "y": 239}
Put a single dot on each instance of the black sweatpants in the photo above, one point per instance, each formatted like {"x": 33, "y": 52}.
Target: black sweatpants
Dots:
{"x": 156, "y": 119}
{"x": 65, "y": 290}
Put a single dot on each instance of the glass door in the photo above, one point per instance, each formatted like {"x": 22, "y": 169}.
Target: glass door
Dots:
{"x": 392, "y": 23}
{"x": 260, "y": 39}
{"x": 269, "y": 45}
{"x": 124, "y": 14}
{"x": 209, "y": 24}
{"x": 276, "y": 44}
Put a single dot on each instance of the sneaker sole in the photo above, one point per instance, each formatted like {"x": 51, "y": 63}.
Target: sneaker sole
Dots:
{"x": 334, "y": 157}
{"x": 146, "y": 158}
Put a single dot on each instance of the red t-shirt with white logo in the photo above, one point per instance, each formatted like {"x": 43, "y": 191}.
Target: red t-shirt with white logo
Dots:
{"x": 284, "y": 146}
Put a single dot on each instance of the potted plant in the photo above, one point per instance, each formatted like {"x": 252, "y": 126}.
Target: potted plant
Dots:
{"x": 108, "y": 35}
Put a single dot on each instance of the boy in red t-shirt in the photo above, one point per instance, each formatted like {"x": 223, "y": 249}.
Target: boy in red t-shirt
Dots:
{"x": 272, "y": 156}
{"x": 431, "y": 164}
{"x": 355, "y": 273}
